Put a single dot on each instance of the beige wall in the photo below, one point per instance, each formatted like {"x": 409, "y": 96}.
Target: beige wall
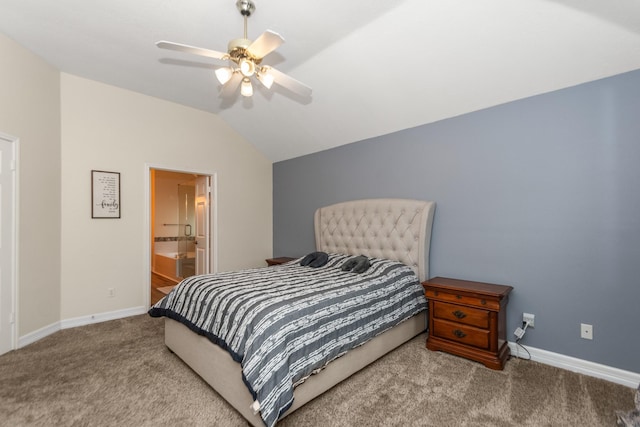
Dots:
{"x": 68, "y": 126}
{"x": 112, "y": 129}
{"x": 30, "y": 111}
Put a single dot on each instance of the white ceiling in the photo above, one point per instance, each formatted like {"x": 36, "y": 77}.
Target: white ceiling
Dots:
{"x": 375, "y": 66}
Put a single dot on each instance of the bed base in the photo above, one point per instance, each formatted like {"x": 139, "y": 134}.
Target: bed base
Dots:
{"x": 221, "y": 372}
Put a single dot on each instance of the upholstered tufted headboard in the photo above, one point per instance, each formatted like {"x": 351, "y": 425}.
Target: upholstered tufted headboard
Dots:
{"x": 396, "y": 229}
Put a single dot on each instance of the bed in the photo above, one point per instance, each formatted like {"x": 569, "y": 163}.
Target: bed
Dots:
{"x": 393, "y": 233}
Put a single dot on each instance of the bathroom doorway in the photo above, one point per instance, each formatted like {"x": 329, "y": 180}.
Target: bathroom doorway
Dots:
{"x": 180, "y": 228}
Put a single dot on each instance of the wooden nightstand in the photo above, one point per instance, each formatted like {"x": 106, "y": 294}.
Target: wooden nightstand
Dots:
{"x": 468, "y": 319}
{"x": 278, "y": 260}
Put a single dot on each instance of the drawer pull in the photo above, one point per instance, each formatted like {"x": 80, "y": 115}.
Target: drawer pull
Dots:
{"x": 459, "y": 296}
{"x": 483, "y": 302}
{"x": 459, "y": 314}
{"x": 458, "y": 333}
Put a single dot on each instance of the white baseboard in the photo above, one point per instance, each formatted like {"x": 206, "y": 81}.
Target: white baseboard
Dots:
{"x": 615, "y": 375}
{"x": 32, "y": 337}
{"x": 101, "y": 317}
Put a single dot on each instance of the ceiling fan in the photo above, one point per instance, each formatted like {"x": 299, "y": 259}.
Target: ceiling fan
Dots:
{"x": 245, "y": 58}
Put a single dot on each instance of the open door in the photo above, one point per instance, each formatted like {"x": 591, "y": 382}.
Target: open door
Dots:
{"x": 202, "y": 232}
{"x": 171, "y": 227}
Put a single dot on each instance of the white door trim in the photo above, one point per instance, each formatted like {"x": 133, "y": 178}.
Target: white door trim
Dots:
{"x": 15, "y": 203}
{"x": 213, "y": 212}
{"x": 203, "y": 227}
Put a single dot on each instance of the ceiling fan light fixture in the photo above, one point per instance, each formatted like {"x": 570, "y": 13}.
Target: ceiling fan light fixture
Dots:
{"x": 224, "y": 74}
{"x": 247, "y": 67}
{"x": 265, "y": 78}
{"x": 246, "y": 89}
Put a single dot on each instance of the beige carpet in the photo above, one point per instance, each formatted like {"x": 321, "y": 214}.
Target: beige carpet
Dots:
{"x": 119, "y": 373}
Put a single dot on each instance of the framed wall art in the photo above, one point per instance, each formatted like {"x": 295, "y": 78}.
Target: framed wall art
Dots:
{"x": 105, "y": 194}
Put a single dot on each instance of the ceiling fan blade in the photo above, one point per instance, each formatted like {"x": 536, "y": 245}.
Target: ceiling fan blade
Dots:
{"x": 229, "y": 89}
{"x": 288, "y": 82}
{"x": 191, "y": 49}
{"x": 266, "y": 43}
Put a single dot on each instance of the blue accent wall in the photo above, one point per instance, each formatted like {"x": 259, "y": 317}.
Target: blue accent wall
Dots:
{"x": 542, "y": 194}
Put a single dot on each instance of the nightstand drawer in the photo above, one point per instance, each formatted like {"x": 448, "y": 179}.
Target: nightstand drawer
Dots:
{"x": 463, "y": 334}
{"x": 461, "y": 314}
{"x": 463, "y": 299}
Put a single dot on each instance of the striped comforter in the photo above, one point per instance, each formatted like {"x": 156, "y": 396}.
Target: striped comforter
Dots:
{"x": 284, "y": 322}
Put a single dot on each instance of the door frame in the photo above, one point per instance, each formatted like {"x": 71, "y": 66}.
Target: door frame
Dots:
{"x": 202, "y": 239}
{"x": 15, "y": 209}
{"x": 213, "y": 216}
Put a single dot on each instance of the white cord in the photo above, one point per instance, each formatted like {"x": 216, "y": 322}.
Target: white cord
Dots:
{"x": 526, "y": 325}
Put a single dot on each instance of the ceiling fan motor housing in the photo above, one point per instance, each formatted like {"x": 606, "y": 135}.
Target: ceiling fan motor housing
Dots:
{"x": 238, "y": 45}
{"x": 237, "y": 49}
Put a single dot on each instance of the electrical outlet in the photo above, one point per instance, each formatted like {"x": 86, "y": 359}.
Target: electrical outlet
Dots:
{"x": 526, "y": 317}
{"x": 586, "y": 331}
{"x": 112, "y": 292}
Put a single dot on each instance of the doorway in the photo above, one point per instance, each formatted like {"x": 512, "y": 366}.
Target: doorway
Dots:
{"x": 181, "y": 204}
{"x": 8, "y": 239}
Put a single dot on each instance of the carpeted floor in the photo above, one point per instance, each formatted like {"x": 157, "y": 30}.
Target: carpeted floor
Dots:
{"x": 119, "y": 373}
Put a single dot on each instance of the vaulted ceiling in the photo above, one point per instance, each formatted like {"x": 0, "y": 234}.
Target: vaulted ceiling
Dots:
{"x": 375, "y": 66}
